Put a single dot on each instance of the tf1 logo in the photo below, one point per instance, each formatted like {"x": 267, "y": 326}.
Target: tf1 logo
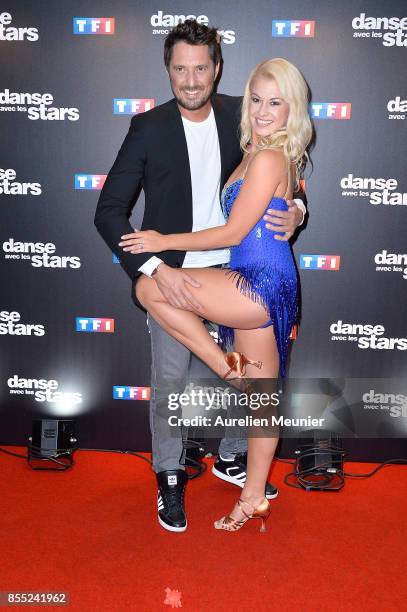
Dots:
{"x": 93, "y": 25}
{"x": 89, "y": 181}
{"x": 132, "y": 106}
{"x": 88, "y": 324}
{"x": 283, "y": 28}
{"x": 320, "y": 262}
{"x": 330, "y": 110}
{"x": 131, "y": 393}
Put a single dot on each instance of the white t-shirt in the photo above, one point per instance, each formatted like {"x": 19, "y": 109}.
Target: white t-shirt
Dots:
{"x": 204, "y": 161}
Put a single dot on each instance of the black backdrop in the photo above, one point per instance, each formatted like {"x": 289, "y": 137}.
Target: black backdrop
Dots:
{"x": 352, "y": 53}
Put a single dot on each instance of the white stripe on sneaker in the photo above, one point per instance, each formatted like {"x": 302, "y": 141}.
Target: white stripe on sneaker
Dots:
{"x": 239, "y": 475}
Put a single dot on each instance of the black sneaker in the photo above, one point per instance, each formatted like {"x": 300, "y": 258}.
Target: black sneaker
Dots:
{"x": 170, "y": 499}
{"x": 234, "y": 471}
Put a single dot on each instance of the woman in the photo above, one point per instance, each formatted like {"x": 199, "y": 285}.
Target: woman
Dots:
{"x": 255, "y": 300}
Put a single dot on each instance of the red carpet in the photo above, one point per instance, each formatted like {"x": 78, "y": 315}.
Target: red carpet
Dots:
{"x": 92, "y": 532}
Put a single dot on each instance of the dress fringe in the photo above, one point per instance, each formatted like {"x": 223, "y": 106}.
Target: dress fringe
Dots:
{"x": 276, "y": 293}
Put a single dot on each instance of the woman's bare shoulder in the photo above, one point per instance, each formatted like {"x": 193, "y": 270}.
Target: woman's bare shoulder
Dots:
{"x": 268, "y": 160}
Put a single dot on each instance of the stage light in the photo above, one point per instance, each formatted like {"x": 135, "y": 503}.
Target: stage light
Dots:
{"x": 51, "y": 445}
{"x": 319, "y": 462}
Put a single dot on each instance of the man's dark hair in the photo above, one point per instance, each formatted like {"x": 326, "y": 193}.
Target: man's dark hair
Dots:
{"x": 193, "y": 33}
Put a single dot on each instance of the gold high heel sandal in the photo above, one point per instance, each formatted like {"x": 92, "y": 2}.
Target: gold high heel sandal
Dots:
{"x": 262, "y": 512}
{"x": 237, "y": 363}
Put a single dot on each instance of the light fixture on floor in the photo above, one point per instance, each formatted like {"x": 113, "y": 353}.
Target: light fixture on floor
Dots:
{"x": 51, "y": 444}
{"x": 319, "y": 462}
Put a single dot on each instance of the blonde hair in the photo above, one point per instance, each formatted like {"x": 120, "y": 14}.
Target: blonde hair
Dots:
{"x": 294, "y": 138}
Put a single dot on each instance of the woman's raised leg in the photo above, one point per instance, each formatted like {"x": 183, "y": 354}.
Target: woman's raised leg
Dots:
{"x": 221, "y": 302}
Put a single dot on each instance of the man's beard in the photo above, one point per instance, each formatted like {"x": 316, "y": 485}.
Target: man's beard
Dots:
{"x": 192, "y": 104}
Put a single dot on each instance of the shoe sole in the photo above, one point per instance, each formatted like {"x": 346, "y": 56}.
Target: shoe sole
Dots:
{"x": 236, "y": 482}
{"x": 169, "y": 528}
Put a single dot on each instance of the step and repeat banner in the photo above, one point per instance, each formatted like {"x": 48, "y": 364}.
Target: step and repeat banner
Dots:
{"x": 72, "y": 74}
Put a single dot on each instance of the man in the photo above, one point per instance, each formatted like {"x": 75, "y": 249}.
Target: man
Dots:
{"x": 181, "y": 153}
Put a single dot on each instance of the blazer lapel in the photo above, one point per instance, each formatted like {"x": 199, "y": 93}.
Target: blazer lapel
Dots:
{"x": 180, "y": 150}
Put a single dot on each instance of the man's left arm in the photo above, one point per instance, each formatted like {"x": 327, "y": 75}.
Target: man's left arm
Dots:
{"x": 287, "y": 221}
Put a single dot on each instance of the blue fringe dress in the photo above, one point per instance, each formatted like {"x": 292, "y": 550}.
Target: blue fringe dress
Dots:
{"x": 263, "y": 269}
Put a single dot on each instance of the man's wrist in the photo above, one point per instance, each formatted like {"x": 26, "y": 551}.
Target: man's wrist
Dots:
{"x": 155, "y": 271}
{"x": 150, "y": 265}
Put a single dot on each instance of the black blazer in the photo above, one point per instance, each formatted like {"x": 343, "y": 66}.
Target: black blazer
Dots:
{"x": 154, "y": 157}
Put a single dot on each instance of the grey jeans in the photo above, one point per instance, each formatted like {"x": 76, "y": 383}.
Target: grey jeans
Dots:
{"x": 170, "y": 361}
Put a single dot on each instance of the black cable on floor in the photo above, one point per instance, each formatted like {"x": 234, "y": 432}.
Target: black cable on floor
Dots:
{"x": 115, "y": 450}
{"x": 302, "y": 474}
{"x": 96, "y": 450}
{"x": 379, "y": 467}
{"x": 3, "y": 450}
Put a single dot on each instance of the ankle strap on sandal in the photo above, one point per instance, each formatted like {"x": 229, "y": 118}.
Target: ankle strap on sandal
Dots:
{"x": 243, "y": 501}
